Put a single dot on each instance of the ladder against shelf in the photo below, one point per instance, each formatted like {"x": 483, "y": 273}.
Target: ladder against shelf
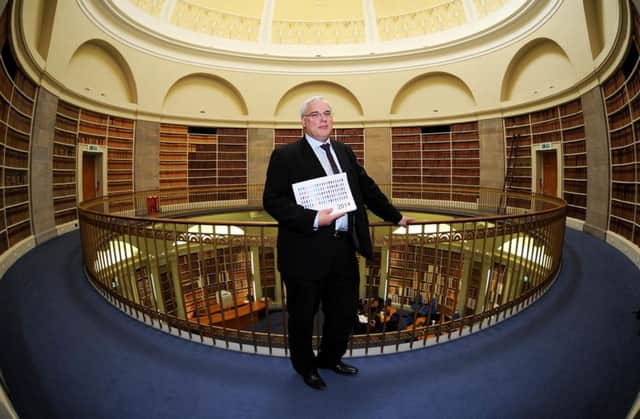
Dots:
{"x": 518, "y": 141}
{"x": 563, "y": 124}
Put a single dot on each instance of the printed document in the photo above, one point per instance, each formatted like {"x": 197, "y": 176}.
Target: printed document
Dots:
{"x": 325, "y": 192}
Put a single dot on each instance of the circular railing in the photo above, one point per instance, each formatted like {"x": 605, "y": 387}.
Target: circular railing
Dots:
{"x": 201, "y": 265}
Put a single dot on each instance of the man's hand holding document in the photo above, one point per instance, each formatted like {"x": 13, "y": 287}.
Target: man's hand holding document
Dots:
{"x": 326, "y": 192}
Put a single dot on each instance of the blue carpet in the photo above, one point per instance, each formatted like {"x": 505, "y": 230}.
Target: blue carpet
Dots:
{"x": 66, "y": 353}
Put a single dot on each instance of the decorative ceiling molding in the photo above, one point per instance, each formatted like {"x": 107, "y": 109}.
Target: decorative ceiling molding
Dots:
{"x": 128, "y": 24}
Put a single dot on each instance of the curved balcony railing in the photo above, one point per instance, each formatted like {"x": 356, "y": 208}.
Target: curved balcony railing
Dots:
{"x": 201, "y": 265}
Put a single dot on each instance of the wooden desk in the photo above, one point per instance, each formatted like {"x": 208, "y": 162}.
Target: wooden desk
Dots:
{"x": 239, "y": 317}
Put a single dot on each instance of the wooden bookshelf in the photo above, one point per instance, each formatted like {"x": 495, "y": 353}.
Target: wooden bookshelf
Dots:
{"x": 465, "y": 157}
{"x": 436, "y": 155}
{"x": 232, "y": 162}
{"x": 146, "y": 295}
{"x": 120, "y": 134}
{"x": 283, "y": 136}
{"x": 562, "y": 124}
{"x": 622, "y": 99}
{"x": 76, "y": 126}
{"x": 92, "y": 128}
{"x": 64, "y": 163}
{"x": 202, "y": 163}
{"x": 268, "y": 272}
{"x": 406, "y": 159}
{"x": 518, "y": 141}
{"x": 426, "y": 273}
{"x": 17, "y": 101}
{"x": 574, "y": 155}
{"x": 174, "y": 162}
{"x": 439, "y": 157}
{"x": 197, "y": 159}
{"x": 372, "y": 274}
{"x": 473, "y": 303}
{"x": 204, "y": 274}
{"x": 144, "y": 287}
{"x": 354, "y": 137}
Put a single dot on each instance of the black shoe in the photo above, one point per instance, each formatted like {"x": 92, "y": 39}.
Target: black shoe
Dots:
{"x": 313, "y": 380}
{"x": 341, "y": 368}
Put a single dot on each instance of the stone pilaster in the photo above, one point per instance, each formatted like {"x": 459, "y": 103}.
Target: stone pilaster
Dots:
{"x": 147, "y": 156}
{"x": 598, "y": 181}
{"x": 42, "y": 210}
{"x": 259, "y": 150}
{"x": 492, "y": 153}
{"x": 377, "y": 155}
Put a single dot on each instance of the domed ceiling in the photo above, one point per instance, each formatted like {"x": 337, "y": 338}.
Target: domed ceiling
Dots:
{"x": 315, "y": 28}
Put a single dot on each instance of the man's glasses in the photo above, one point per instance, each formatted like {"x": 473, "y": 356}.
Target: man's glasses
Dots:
{"x": 316, "y": 114}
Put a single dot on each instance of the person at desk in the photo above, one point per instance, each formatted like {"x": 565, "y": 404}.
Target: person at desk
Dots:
{"x": 317, "y": 249}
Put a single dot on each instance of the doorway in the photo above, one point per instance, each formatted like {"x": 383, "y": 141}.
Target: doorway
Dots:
{"x": 91, "y": 176}
{"x": 547, "y": 173}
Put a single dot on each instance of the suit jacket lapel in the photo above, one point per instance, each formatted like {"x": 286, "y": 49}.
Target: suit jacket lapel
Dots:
{"x": 343, "y": 159}
{"x": 345, "y": 163}
{"x": 314, "y": 167}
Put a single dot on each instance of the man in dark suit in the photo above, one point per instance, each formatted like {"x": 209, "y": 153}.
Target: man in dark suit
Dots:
{"x": 316, "y": 249}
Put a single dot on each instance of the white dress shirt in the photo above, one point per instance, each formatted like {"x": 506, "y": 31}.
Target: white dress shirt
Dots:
{"x": 342, "y": 223}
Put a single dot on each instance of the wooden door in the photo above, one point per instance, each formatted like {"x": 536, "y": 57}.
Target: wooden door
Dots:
{"x": 89, "y": 182}
{"x": 550, "y": 173}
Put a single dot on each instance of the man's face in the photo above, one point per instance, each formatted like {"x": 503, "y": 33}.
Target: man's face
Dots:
{"x": 318, "y": 120}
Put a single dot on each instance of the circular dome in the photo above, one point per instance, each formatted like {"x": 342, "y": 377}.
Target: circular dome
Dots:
{"x": 319, "y": 30}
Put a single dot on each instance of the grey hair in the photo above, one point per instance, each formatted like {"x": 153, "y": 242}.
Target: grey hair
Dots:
{"x": 305, "y": 104}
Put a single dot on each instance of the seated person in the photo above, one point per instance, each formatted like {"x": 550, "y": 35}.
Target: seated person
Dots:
{"x": 429, "y": 313}
{"x": 394, "y": 322}
{"x": 376, "y": 305}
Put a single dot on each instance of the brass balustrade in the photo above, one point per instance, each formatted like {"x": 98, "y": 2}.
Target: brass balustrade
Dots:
{"x": 152, "y": 255}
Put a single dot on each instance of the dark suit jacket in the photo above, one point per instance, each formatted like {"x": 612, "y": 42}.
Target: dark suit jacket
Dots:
{"x": 303, "y": 251}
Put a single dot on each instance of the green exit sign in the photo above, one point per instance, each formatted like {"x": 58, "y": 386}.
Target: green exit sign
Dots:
{"x": 93, "y": 147}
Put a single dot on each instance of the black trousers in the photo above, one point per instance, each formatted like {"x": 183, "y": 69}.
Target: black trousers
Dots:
{"x": 337, "y": 293}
